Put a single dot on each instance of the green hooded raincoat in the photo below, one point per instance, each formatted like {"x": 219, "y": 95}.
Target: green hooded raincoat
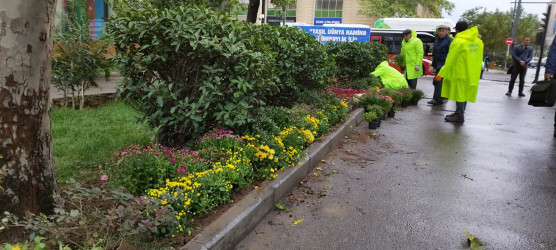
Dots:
{"x": 390, "y": 77}
{"x": 462, "y": 70}
{"x": 412, "y": 50}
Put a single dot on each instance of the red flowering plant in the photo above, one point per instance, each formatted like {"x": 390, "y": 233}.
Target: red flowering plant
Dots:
{"x": 345, "y": 95}
{"x": 385, "y": 102}
{"x": 396, "y": 96}
{"x": 139, "y": 168}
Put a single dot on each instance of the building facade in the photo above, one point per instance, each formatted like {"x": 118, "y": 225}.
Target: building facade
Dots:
{"x": 96, "y": 11}
{"x": 319, "y": 12}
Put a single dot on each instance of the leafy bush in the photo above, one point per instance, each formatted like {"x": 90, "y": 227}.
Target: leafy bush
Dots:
{"x": 377, "y": 109}
{"x": 385, "y": 102}
{"x": 141, "y": 168}
{"x": 356, "y": 60}
{"x": 407, "y": 94}
{"x": 417, "y": 95}
{"x": 370, "y": 116}
{"x": 302, "y": 63}
{"x": 190, "y": 69}
{"x": 396, "y": 96}
{"x": 365, "y": 83}
{"x": 399, "y": 61}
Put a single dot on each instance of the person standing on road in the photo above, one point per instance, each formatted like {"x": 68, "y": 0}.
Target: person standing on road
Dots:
{"x": 462, "y": 70}
{"x": 550, "y": 70}
{"x": 441, "y": 47}
{"x": 412, "y": 51}
{"x": 522, "y": 54}
{"x": 486, "y": 59}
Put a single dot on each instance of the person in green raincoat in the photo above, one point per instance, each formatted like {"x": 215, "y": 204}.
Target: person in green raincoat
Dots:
{"x": 462, "y": 70}
{"x": 412, "y": 51}
{"x": 390, "y": 77}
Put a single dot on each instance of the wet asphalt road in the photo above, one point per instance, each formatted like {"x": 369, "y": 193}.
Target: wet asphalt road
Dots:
{"x": 417, "y": 182}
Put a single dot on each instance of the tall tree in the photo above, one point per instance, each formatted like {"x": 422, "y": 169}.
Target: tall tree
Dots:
{"x": 27, "y": 182}
{"x": 402, "y": 8}
{"x": 495, "y": 26}
{"x": 253, "y": 10}
{"x": 284, "y": 4}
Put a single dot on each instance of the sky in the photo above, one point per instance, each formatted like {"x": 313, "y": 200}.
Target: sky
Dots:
{"x": 492, "y": 5}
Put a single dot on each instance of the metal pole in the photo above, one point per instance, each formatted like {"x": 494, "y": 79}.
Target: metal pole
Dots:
{"x": 549, "y": 11}
{"x": 264, "y": 12}
{"x": 517, "y": 13}
{"x": 507, "y": 53}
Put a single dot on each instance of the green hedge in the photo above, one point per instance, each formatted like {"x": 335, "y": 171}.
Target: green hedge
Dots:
{"x": 191, "y": 69}
{"x": 356, "y": 60}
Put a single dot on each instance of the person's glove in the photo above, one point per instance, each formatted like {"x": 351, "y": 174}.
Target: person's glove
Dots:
{"x": 437, "y": 78}
{"x": 417, "y": 67}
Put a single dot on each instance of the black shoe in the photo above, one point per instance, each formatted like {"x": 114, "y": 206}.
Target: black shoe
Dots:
{"x": 509, "y": 93}
{"x": 457, "y": 118}
{"x": 433, "y": 102}
{"x": 521, "y": 94}
{"x": 452, "y": 114}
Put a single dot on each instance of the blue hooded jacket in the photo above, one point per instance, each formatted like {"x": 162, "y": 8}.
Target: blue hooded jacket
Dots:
{"x": 550, "y": 66}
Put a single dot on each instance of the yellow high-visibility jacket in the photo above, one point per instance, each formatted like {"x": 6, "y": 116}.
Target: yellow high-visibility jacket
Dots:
{"x": 462, "y": 70}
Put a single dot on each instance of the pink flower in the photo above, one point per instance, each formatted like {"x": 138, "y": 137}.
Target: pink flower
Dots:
{"x": 181, "y": 170}
{"x": 173, "y": 160}
{"x": 99, "y": 166}
{"x": 104, "y": 177}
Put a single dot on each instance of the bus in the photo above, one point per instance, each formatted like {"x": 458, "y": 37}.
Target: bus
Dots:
{"x": 392, "y": 39}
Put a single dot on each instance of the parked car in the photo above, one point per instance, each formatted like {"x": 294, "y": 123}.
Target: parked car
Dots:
{"x": 534, "y": 63}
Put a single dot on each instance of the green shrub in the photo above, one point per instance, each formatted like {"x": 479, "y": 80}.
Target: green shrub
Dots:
{"x": 417, "y": 95}
{"x": 386, "y": 103}
{"x": 138, "y": 169}
{"x": 302, "y": 63}
{"x": 396, "y": 96}
{"x": 356, "y": 60}
{"x": 407, "y": 94}
{"x": 370, "y": 116}
{"x": 375, "y": 109}
{"x": 189, "y": 70}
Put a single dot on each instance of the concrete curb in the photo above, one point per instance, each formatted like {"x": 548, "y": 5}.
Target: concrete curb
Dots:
{"x": 230, "y": 228}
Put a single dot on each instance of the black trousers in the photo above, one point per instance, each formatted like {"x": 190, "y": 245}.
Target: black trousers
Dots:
{"x": 521, "y": 71}
{"x": 412, "y": 83}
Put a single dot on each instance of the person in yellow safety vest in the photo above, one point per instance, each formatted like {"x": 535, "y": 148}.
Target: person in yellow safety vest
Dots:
{"x": 412, "y": 51}
{"x": 462, "y": 70}
{"x": 390, "y": 77}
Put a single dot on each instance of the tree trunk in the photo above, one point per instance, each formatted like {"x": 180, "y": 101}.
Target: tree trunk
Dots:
{"x": 27, "y": 182}
{"x": 253, "y": 10}
{"x": 82, "y": 98}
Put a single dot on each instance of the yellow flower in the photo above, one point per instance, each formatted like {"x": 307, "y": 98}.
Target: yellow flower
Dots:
{"x": 297, "y": 222}
{"x": 319, "y": 168}
{"x": 315, "y": 174}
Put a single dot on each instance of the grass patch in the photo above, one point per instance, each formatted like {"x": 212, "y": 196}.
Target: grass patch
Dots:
{"x": 83, "y": 139}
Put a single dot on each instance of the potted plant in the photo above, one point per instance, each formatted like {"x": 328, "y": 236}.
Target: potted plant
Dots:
{"x": 372, "y": 118}
{"x": 407, "y": 96}
{"x": 386, "y": 103}
{"x": 377, "y": 110}
{"x": 417, "y": 95}
{"x": 395, "y": 95}
{"x": 399, "y": 61}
